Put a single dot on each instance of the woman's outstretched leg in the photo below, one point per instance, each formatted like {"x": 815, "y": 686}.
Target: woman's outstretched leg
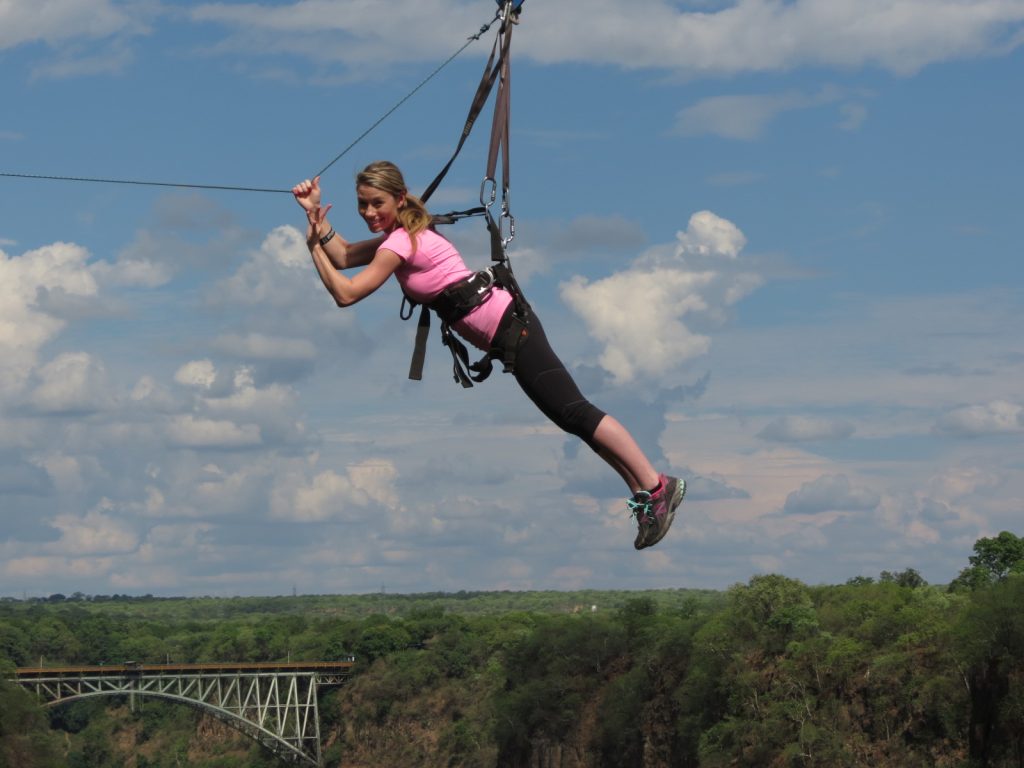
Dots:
{"x": 617, "y": 447}
{"x": 548, "y": 384}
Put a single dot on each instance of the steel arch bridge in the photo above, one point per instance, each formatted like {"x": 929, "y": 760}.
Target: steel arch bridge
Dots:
{"x": 274, "y": 703}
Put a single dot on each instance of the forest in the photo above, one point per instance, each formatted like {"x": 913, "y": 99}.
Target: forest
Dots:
{"x": 888, "y": 671}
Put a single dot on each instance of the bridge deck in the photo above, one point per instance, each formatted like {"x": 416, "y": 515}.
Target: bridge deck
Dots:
{"x": 343, "y": 666}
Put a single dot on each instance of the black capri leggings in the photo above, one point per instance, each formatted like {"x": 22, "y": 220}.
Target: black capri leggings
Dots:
{"x": 549, "y": 385}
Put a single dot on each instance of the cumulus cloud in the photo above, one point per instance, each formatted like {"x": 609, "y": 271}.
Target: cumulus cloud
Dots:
{"x": 796, "y": 429}
{"x": 333, "y": 496}
{"x": 268, "y": 413}
{"x": 996, "y": 417}
{"x": 196, "y": 373}
{"x": 94, "y": 533}
{"x": 189, "y": 431}
{"x": 643, "y": 315}
{"x": 830, "y": 493}
{"x": 273, "y": 275}
{"x": 24, "y": 326}
{"x": 74, "y": 382}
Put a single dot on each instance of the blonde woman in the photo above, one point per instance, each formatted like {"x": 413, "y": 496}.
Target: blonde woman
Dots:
{"x": 430, "y": 271}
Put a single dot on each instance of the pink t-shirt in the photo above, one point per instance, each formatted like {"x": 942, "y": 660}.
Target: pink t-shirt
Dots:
{"x": 434, "y": 266}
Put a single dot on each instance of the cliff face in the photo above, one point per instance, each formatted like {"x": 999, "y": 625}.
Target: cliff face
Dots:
{"x": 451, "y": 723}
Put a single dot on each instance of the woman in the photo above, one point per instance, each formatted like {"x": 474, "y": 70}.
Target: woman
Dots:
{"x": 425, "y": 264}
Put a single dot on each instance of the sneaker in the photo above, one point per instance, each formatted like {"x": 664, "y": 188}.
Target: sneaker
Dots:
{"x": 655, "y": 512}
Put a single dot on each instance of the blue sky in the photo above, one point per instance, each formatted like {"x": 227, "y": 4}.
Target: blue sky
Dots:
{"x": 778, "y": 240}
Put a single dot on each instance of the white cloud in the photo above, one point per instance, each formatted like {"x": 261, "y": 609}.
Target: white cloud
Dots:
{"x": 149, "y": 393}
{"x": 252, "y": 401}
{"x": 960, "y": 483}
{"x": 735, "y": 117}
{"x": 94, "y": 533}
{"x": 35, "y": 568}
{"x": 276, "y": 275}
{"x": 333, "y": 496}
{"x": 129, "y": 272}
{"x": 197, "y": 373}
{"x": 756, "y": 35}
{"x": 638, "y": 314}
{"x": 794, "y": 429}
{"x": 24, "y": 328}
{"x": 55, "y": 21}
{"x": 830, "y": 493}
{"x": 191, "y": 432}
{"x": 995, "y": 417}
{"x": 258, "y": 346}
{"x": 72, "y": 382}
{"x": 743, "y": 36}
{"x": 745, "y": 116}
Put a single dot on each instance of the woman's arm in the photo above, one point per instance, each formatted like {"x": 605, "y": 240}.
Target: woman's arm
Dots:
{"x": 343, "y": 254}
{"x": 347, "y": 291}
{"x": 340, "y": 252}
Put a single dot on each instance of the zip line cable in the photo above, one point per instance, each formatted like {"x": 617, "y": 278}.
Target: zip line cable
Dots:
{"x": 341, "y": 154}
{"x": 140, "y": 183}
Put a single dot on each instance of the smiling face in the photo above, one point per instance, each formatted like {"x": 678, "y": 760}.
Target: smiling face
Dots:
{"x": 378, "y": 208}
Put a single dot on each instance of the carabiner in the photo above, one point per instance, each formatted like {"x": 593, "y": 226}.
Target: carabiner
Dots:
{"x": 511, "y": 228}
{"x": 494, "y": 192}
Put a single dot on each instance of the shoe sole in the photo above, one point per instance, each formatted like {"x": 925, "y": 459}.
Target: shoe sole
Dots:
{"x": 669, "y": 517}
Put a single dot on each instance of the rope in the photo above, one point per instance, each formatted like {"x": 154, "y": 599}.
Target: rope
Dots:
{"x": 341, "y": 154}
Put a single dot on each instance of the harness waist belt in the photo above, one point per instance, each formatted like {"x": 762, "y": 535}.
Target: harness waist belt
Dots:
{"x": 454, "y": 303}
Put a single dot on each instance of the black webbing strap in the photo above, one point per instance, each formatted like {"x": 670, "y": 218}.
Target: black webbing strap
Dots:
{"x": 460, "y": 357}
{"x": 419, "y": 350}
{"x": 451, "y": 305}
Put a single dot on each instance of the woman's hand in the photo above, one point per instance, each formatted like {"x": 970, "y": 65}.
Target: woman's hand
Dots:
{"x": 307, "y": 193}
{"x": 315, "y": 218}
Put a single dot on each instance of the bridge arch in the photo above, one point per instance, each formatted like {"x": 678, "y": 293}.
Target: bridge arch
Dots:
{"x": 272, "y": 741}
{"x": 274, "y": 704}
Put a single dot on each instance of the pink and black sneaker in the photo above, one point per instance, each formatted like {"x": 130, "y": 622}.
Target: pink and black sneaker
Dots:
{"x": 654, "y": 512}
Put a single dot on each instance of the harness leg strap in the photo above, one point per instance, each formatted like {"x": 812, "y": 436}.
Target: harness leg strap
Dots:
{"x": 419, "y": 351}
{"x": 516, "y": 334}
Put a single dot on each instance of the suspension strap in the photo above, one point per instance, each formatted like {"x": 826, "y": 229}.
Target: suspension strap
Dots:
{"x": 453, "y": 304}
{"x": 483, "y": 90}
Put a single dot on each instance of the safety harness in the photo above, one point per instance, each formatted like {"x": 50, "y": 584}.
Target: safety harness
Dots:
{"x": 460, "y": 298}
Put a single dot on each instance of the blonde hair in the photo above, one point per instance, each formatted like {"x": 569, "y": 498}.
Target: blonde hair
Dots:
{"x": 386, "y": 176}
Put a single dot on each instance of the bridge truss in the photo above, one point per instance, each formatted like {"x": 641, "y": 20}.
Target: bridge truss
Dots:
{"x": 273, "y": 703}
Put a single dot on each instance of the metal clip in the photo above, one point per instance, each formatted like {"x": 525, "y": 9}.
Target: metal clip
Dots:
{"x": 493, "y": 192}
{"x": 487, "y": 275}
{"x": 505, "y": 240}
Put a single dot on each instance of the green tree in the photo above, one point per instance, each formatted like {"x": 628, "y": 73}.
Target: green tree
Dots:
{"x": 991, "y": 645}
{"x": 909, "y": 578}
{"x": 25, "y": 737}
{"x": 994, "y": 559}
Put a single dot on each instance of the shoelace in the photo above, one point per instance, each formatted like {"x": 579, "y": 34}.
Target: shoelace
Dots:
{"x": 639, "y": 509}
